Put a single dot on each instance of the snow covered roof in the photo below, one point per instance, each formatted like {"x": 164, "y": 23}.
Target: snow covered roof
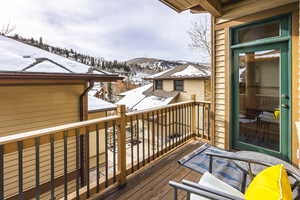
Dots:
{"x": 95, "y": 104}
{"x": 187, "y": 71}
{"x": 141, "y": 99}
{"x": 17, "y": 57}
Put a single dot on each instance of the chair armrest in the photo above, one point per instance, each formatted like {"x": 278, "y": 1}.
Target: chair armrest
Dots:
{"x": 250, "y": 161}
{"x": 200, "y": 187}
{"x": 213, "y": 195}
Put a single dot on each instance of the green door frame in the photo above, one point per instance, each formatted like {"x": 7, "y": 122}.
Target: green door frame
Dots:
{"x": 282, "y": 43}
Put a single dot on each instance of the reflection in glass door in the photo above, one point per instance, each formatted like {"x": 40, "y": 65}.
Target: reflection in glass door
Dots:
{"x": 259, "y": 103}
{"x": 261, "y": 99}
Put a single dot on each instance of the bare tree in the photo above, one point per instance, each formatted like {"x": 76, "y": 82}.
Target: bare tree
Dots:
{"x": 7, "y": 29}
{"x": 200, "y": 34}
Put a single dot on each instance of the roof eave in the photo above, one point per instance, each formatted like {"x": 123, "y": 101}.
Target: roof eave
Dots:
{"x": 179, "y": 78}
{"x": 171, "y": 6}
{"x": 57, "y": 76}
{"x": 102, "y": 109}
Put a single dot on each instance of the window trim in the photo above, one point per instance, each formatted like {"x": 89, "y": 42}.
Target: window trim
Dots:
{"x": 174, "y": 85}
{"x": 155, "y": 84}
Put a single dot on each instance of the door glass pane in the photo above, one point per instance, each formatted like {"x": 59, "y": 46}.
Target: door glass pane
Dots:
{"x": 259, "y": 32}
{"x": 259, "y": 91}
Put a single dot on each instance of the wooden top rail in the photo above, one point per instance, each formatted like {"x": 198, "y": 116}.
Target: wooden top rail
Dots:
{"x": 203, "y": 102}
{"x": 134, "y": 113}
{"x": 47, "y": 131}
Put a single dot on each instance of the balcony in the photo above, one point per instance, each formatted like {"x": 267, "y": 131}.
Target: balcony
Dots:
{"x": 80, "y": 160}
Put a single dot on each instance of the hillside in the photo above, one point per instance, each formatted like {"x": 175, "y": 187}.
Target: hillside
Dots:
{"x": 135, "y": 69}
{"x": 157, "y": 65}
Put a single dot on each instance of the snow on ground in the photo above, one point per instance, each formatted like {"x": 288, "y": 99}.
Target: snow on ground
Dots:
{"x": 15, "y": 56}
{"x": 190, "y": 71}
{"x": 95, "y": 103}
{"x": 138, "y": 78}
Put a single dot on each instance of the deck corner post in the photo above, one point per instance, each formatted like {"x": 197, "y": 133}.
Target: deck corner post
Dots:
{"x": 122, "y": 145}
{"x": 193, "y": 120}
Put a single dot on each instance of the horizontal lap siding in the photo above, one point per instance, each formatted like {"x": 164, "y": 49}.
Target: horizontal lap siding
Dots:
{"x": 219, "y": 88}
{"x": 27, "y": 108}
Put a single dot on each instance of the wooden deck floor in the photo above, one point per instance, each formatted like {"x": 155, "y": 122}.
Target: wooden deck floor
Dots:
{"x": 152, "y": 182}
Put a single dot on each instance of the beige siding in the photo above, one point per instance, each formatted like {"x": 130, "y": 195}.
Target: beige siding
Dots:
{"x": 190, "y": 87}
{"x": 220, "y": 88}
{"x": 168, "y": 85}
{"x": 32, "y": 107}
{"x": 27, "y": 108}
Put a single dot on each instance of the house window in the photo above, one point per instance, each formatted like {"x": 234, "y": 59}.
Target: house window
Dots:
{"x": 158, "y": 84}
{"x": 178, "y": 85}
{"x": 259, "y": 32}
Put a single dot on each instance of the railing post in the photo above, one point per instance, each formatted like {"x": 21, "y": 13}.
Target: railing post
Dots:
{"x": 122, "y": 145}
{"x": 193, "y": 98}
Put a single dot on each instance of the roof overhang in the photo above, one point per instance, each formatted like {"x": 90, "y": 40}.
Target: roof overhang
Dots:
{"x": 58, "y": 76}
{"x": 102, "y": 110}
{"x": 180, "y": 78}
{"x": 214, "y": 7}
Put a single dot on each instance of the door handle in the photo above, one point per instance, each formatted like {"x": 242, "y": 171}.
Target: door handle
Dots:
{"x": 285, "y": 106}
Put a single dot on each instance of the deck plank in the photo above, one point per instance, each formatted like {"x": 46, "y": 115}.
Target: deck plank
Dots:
{"x": 152, "y": 182}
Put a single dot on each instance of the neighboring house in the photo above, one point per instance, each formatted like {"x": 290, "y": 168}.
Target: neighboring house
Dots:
{"x": 98, "y": 108}
{"x": 40, "y": 90}
{"x": 144, "y": 97}
{"x": 186, "y": 80}
{"x": 255, "y": 65}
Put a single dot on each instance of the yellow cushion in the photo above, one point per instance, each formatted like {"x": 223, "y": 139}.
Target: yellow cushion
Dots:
{"x": 270, "y": 184}
{"x": 276, "y": 114}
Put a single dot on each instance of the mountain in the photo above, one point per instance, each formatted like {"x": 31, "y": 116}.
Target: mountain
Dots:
{"x": 157, "y": 65}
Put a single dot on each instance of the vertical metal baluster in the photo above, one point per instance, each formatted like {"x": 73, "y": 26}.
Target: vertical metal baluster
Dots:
{"x": 148, "y": 129}
{"x": 185, "y": 123}
{"x": 198, "y": 120}
{"x": 138, "y": 141}
{"x": 162, "y": 133}
{"x": 65, "y": 165}
{"x": 1, "y": 171}
{"x": 52, "y": 167}
{"x": 131, "y": 144}
{"x": 106, "y": 154}
{"x": 173, "y": 127}
{"x": 179, "y": 121}
{"x": 97, "y": 158}
{"x": 170, "y": 129}
{"x": 153, "y": 137}
{"x": 20, "y": 161}
{"x": 37, "y": 168}
{"x": 208, "y": 122}
{"x": 87, "y": 157}
{"x": 114, "y": 150}
{"x": 157, "y": 129}
{"x": 166, "y": 130}
{"x": 203, "y": 124}
{"x": 181, "y": 116}
{"x": 191, "y": 116}
{"x": 77, "y": 163}
{"x": 143, "y": 130}
{"x": 177, "y": 131}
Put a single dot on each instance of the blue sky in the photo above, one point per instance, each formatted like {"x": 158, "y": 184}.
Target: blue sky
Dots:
{"x": 113, "y": 29}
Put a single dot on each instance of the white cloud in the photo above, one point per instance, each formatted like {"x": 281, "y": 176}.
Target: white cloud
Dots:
{"x": 109, "y": 29}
